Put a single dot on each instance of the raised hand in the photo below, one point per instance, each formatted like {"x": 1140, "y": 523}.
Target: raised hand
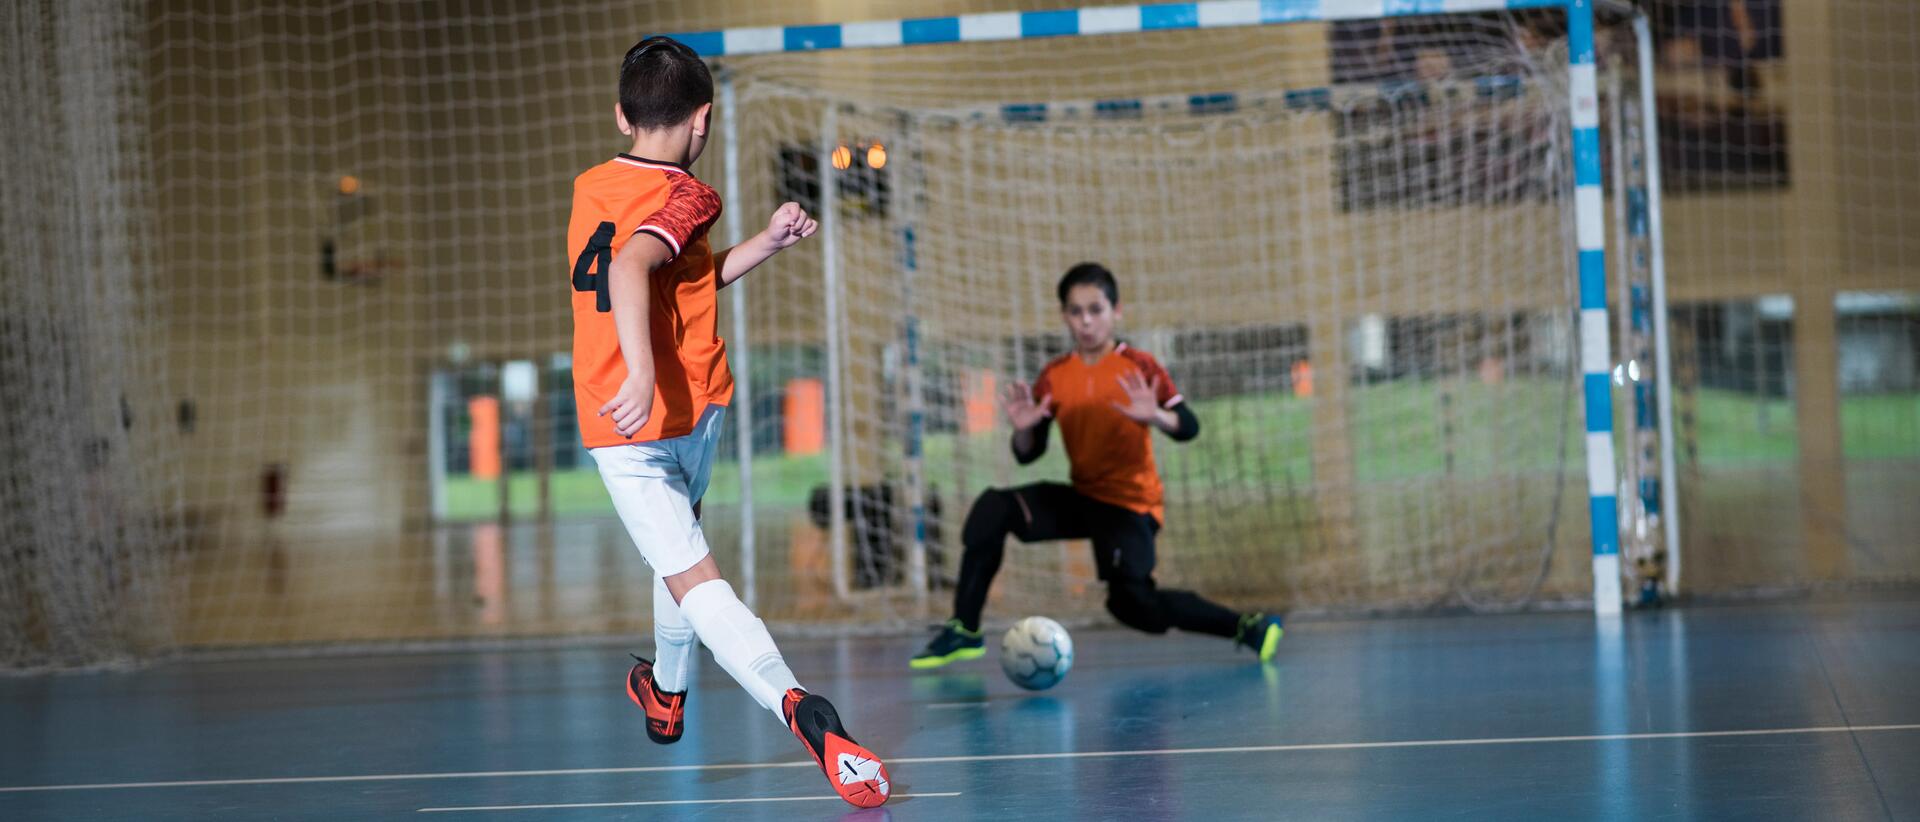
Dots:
{"x": 788, "y": 225}
{"x": 1022, "y": 410}
{"x": 1143, "y": 403}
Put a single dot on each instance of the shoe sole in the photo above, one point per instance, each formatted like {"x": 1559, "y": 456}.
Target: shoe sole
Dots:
{"x": 925, "y": 662}
{"x": 1271, "y": 643}
{"x": 848, "y": 758}
{"x": 659, "y": 738}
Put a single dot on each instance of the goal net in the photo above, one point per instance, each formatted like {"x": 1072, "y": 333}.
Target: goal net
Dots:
{"x": 1350, "y": 244}
{"x": 284, "y": 338}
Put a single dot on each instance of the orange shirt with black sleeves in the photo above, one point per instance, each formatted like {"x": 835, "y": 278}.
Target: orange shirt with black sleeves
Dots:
{"x": 613, "y": 203}
{"x": 1111, "y": 456}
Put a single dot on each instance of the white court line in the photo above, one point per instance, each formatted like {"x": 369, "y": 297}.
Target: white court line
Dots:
{"x": 674, "y": 802}
{"x": 730, "y": 766}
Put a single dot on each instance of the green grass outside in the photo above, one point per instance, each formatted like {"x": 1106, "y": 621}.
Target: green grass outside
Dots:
{"x": 1730, "y": 427}
{"x": 1742, "y": 427}
{"x": 1880, "y": 426}
{"x": 1259, "y": 443}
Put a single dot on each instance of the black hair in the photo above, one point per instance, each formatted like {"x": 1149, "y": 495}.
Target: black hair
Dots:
{"x": 662, "y": 83}
{"x": 1090, "y": 274}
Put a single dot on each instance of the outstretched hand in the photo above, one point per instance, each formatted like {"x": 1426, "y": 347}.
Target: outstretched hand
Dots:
{"x": 1143, "y": 393}
{"x": 1022, "y": 410}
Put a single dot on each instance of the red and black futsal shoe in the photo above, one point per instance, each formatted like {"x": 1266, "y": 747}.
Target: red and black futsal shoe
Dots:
{"x": 854, "y": 772}
{"x": 666, "y": 712}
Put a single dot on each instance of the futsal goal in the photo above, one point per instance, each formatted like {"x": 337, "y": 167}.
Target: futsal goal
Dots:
{"x": 1366, "y": 239}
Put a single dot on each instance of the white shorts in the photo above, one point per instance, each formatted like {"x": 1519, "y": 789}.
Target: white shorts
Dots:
{"x": 655, "y": 485}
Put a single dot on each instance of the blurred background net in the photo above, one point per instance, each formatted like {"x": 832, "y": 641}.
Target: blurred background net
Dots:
{"x": 284, "y": 334}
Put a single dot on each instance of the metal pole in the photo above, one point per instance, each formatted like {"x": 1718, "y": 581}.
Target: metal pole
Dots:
{"x": 1633, "y": 540}
{"x": 505, "y": 496}
{"x": 835, "y": 399}
{"x": 541, "y": 425}
{"x": 1589, "y": 203}
{"x": 1662, "y": 348}
{"x": 905, "y": 201}
{"x": 439, "y": 395}
{"x": 1622, "y": 263}
{"x": 737, "y": 351}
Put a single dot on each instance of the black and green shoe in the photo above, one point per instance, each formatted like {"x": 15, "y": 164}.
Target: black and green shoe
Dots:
{"x": 954, "y": 643}
{"x": 1261, "y": 633}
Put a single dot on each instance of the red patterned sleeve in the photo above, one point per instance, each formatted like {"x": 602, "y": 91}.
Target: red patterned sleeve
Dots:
{"x": 692, "y": 207}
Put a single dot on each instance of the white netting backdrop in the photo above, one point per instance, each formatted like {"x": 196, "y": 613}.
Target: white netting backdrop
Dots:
{"x": 283, "y": 336}
{"x": 90, "y": 495}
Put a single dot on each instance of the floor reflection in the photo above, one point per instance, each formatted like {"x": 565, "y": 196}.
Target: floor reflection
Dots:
{"x": 567, "y": 577}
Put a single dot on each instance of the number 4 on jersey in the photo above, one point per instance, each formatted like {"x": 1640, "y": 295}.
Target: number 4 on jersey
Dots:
{"x": 590, "y": 269}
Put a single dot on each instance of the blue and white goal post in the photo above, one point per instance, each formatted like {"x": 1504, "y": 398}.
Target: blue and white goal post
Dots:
{"x": 886, "y": 379}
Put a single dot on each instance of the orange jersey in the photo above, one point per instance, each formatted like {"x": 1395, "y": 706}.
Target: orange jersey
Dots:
{"x": 1111, "y": 456}
{"x": 612, "y": 204}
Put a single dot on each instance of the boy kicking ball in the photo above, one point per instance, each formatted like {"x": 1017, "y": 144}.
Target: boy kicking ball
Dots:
{"x": 1108, "y": 398}
{"x": 651, "y": 384}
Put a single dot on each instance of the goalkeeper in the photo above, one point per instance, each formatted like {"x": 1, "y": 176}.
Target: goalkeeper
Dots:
{"x": 1108, "y": 398}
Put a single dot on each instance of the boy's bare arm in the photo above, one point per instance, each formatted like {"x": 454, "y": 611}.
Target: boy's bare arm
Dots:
{"x": 789, "y": 225}
{"x": 628, "y": 290}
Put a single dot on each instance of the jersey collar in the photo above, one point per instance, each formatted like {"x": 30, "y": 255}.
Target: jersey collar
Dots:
{"x": 1118, "y": 347}
{"x": 646, "y": 163}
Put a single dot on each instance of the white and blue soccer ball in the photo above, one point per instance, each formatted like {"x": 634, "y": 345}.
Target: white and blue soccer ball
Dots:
{"x": 1036, "y": 653}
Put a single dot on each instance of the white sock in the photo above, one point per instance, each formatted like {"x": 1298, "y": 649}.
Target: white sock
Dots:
{"x": 672, "y": 641}
{"x": 739, "y": 642}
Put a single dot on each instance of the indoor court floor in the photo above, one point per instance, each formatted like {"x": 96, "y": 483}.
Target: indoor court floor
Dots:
{"x": 1782, "y": 710}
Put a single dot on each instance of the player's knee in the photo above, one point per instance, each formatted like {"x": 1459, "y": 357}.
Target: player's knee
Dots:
{"x": 706, "y": 570}
{"x": 1135, "y": 604}
{"x": 990, "y": 520}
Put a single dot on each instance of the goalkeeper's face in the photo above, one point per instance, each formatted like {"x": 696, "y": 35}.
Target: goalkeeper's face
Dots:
{"x": 1090, "y": 317}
